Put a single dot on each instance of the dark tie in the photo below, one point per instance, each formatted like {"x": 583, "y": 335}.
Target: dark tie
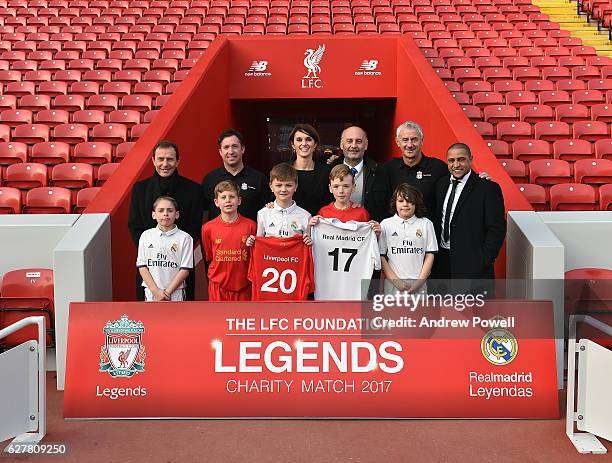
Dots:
{"x": 447, "y": 215}
{"x": 354, "y": 171}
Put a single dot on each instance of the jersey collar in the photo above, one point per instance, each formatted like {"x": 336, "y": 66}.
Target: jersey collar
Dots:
{"x": 168, "y": 233}
{"x": 288, "y": 210}
{"x": 410, "y": 221}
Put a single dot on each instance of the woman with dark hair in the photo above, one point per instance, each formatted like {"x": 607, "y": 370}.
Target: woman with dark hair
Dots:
{"x": 313, "y": 175}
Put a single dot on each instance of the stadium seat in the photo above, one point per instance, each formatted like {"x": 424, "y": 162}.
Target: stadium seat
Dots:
{"x": 15, "y": 117}
{"x": 48, "y": 200}
{"x": 529, "y": 150}
{"x": 88, "y": 117}
{"x": 94, "y": 153}
{"x": 551, "y": 131}
{"x": 31, "y": 133}
{"x": 500, "y": 113}
{"x": 69, "y": 102}
{"x": 515, "y": 169}
{"x": 137, "y": 131}
{"x": 588, "y": 97}
{"x": 84, "y": 197}
{"x": 27, "y": 292}
{"x": 603, "y": 149}
{"x": 511, "y": 131}
{"x": 70, "y": 133}
{"x": 591, "y": 130}
{"x": 12, "y": 153}
{"x": 572, "y": 149}
{"x": 104, "y": 103}
{"x": 10, "y": 200}
{"x": 105, "y": 171}
{"x": 535, "y": 194}
{"x": 50, "y": 153}
{"x": 605, "y": 197}
{"x": 593, "y": 171}
{"x": 536, "y": 113}
{"x": 482, "y": 99}
{"x": 602, "y": 113}
{"x": 485, "y": 129}
{"x": 572, "y": 197}
{"x": 549, "y": 172}
{"x": 72, "y": 175}
{"x": 139, "y": 102}
{"x": 26, "y": 175}
{"x": 124, "y": 116}
{"x": 571, "y": 113}
{"x": 554, "y": 98}
{"x": 122, "y": 150}
{"x": 521, "y": 98}
{"x": 51, "y": 117}
{"x": 499, "y": 148}
{"x": 110, "y": 133}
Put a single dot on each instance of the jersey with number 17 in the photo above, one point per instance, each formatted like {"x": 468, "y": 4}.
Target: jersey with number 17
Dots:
{"x": 281, "y": 269}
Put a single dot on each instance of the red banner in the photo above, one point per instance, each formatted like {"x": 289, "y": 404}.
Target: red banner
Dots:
{"x": 203, "y": 359}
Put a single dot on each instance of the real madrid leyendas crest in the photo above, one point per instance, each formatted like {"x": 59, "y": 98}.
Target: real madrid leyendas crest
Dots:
{"x": 499, "y": 346}
{"x": 123, "y": 353}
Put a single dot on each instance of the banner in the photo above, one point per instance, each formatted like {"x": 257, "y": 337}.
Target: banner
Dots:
{"x": 311, "y": 359}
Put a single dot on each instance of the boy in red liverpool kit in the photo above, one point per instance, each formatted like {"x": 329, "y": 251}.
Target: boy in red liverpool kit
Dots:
{"x": 224, "y": 241}
{"x": 341, "y": 185}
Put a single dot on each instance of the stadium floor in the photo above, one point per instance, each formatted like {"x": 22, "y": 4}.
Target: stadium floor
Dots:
{"x": 307, "y": 440}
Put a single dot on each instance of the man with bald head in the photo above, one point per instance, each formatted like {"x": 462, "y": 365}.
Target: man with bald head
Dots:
{"x": 354, "y": 143}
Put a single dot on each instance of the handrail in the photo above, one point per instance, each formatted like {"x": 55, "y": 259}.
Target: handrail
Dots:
{"x": 42, "y": 378}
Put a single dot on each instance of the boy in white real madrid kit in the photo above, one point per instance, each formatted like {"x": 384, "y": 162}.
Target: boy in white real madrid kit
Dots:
{"x": 165, "y": 254}
{"x": 285, "y": 218}
{"x": 407, "y": 243}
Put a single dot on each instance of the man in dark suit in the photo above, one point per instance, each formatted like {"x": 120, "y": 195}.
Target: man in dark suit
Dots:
{"x": 354, "y": 143}
{"x": 166, "y": 181}
{"x": 470, "y": 222}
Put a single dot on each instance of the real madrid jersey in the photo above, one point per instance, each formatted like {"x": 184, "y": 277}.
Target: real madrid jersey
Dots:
{"x": 345, "y": 254}
{"x": 164, "y": 254}
{"x": 284, "y": 223}
{"x": 405, "y": 242}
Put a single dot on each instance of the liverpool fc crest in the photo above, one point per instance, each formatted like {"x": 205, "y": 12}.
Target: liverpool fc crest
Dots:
{"x": 123, "y": 353}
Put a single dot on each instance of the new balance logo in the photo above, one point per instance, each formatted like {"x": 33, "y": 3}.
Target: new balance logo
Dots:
{"x": 368, "y": 65}
{"x": 258, "y": 66}
{"x": 395, "y": 234}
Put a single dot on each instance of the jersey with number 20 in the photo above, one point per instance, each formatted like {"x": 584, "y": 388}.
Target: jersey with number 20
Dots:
{"x": 345, "y": 254}
{"x": 281, "y": 269}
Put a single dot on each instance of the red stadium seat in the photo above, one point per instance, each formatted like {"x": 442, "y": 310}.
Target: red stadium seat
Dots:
{"x": 572, "y": 149}
{"x": 72, "y": 175}
{"x": 535, "y": 194}
{"x": 591, "y": 130}
{"x": 26, "y": 175}
{"x": 7, "y": 102}
{"x": 35, "y": 102}
{"x": 605, "y": 197}
{"x": 482, "y": 99}
{"x": 50, "y": 153}
{"x": 593, "y": 171}
{"x": 603, "y": 149}
{"x": 124, "y": 116}
{"x": 88, "y": 117}
{"x": 10, "y": 200}
{"x": 93, "y": 153}
{"x": 70, "y": 133}
{"x": 572, "y": 113}
{"x": 549, "y": 172}
{"x": 25, "y": 293}
{"x": 511, "y": 131}
{"x": 602, "y": 112}
{"x": 529, "y": 150}
{"x": 499, "y": 148}
{"x": 69, "y": 102}
{"x": 104, "y": 103}
{"x": 536, "y": 113}
{"x": 551, "y": 131}
{"x": 588, "y": 97}
{"x": 51, "y": 117}
{"x": 48, "y": 200}
{"x": 485, "y": 129}
{"x": 500, "y": 113}
{"x": 105, "y": 171}
{"x": 137, "y": 131}
{"x": 84, "y": 197}
{"x": 110, "y": 133}
{"x": 572, "y": 197}
{"x": 15, "y": 117}
{"x": 515, "y": 169}
{"x": 554, "y": 98}
{"x": 521, "y": 98}
{"x": 12, "y": 153}
{"x": 85, "y": 88}
{"x": 31, "y": 133}
{"x": 123, "y": 149}
{"x": 138, "y": 102}
{"x": 570, "y": 86}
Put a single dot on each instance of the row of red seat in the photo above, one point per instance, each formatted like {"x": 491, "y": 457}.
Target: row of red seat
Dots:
{"x": 549, "y": 130}
{"x": 45, "y": 200}
{"x": 104, "y": 102}
{"x": 72, "y": 175}
{"x": 568, "y": 149}
{"x": 89, "y": 117}
{"x": 568, "y": 197}
{"x": 549, "y": 172}
{"x": 51, "y": 153}
{"x": 72, "y": 133}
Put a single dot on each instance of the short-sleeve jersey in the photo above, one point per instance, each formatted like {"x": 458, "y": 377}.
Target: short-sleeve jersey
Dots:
{"x": 344, "y": 255}
{"x": 281, "y": 269}
{"x": 225, "y": 248}
{"x": 358, "y": 214}
{"x": 405, "y": 242}
{"x": 284, "y": 223}
{"x": 164, "y": 254}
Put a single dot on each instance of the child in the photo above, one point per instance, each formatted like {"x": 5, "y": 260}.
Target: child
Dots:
{"x": 285, "y": 218}
{"x": 407, "y": 243}
{"x": 165, "y": 254}
{"x": 224, "y": 242}
{"x": 341, "y": 185}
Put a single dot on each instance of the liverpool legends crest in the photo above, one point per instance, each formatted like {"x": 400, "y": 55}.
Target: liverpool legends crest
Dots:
{"x": 123, "y": 354}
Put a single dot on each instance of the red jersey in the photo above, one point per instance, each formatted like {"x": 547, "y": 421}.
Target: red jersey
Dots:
{"x": 225, "y": 248}
{"x": 281, "y": 269}
{"x": 358, "y": 214}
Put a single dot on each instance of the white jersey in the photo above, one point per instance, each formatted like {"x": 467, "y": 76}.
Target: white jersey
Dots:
{"x": 283, "y": 223}
{"x": 405, "y": 242}
{"x": 164, "y": 254}
{"x": 345, "y": 254}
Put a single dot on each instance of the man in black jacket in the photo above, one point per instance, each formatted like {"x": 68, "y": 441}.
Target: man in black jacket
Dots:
{"x": 354, "y": 143}
{"x": 470, "y": 223}
{"x": 166, "y": 181}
